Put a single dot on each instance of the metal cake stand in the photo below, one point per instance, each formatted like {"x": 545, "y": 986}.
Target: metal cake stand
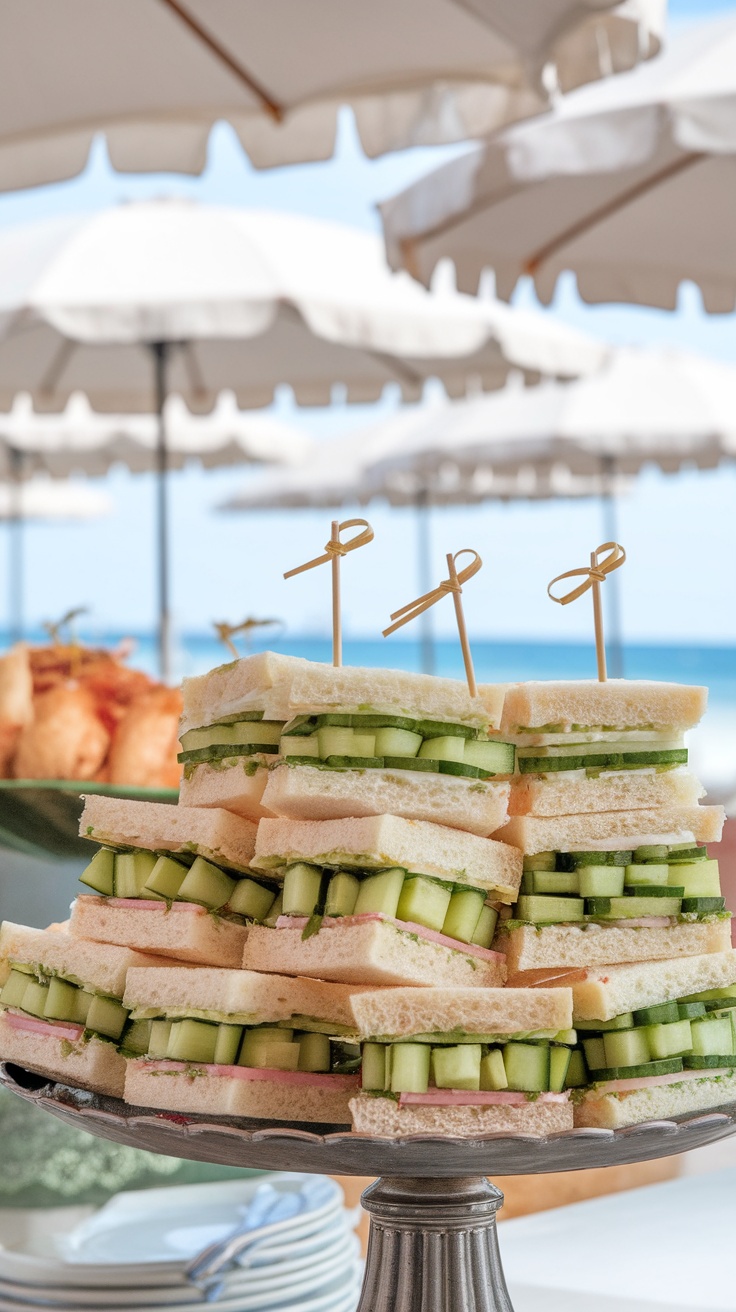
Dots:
{"x": 433, "y": 1243}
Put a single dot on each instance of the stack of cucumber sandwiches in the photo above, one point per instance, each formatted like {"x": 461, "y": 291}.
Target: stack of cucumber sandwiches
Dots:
{"x": 384, "y": 903}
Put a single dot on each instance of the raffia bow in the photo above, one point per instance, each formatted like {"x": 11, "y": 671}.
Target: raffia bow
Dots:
{"x": 596, "y": 572}
{"x": 451, "y": 586}
{"x": 336, "y": 548}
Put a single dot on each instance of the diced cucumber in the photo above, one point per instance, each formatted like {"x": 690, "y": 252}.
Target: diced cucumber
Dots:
{"x": 342, "y": 894}
{"x": 494, "y": 757}
{"x": 698, "y": 878}
{"x": 527, "y": 1066}
{"x": 555, "y": 881}
{"x": 542, "y": 861}
{"x": 206, "y": 885}
{"x": 703, "y": 906}
{"x": 463, "y": 914}
{"x": 252, "y": 900}
{"x": 486, "y": 927}
{"x": 626, "y": 1048}
{"x": 443, "y": 749}
{"x": 158, "y": 1043}
{"x": 595, "y": 1053}
{"x": 601, "y": 881}
{"x": 424, "y": 902}
{"x": 549, "y": 910}
{"x": 441, "y": 728}
{"x": 302, "y": 885}
{"x": 559, "y": 1064}
{"x": 373, "y": 1066}
{"x": 577, "y": 1074}
{"x": 106, "y": 1016}
{"x": 137, "y": 1037}
{"x": 100, "y": 873}
{"x": 648, "y": 873}
{"x": 380, "y": 893}
{"x": 397, "y": 742}
{"x": 166, "y": 878}
{"x": 655, "y": 852}
{"x": 192, "y": 1040}
{"x": 277, "y": 910}
{"x": 410, "y": 1067}
{"x": 364, "y": 744}
{"x": 567, "y": 1037}
{"x": 82, "y": 1004}
{"x": 631, "y": 908}
{"x": 14, "y": 988}
{"x": 132, "y": 870}
{"x": 269, "y": 1049}
{"x": 411, "y": 763}
{"x": 576, "y": 859}
{"x": 227, "y": 1044}
{"x": 34, "y": 998}
{"x": 457, "y": 1068}
{"x": 663, "y": 1014}
{"x": 303, "y": 745}
{"x": 670, "y": 1040}
{"x": 623, "y": 1022}
{"x": 60, "y": 1000}
{"x": 712, "y": 1037}
{"x": 334, "y": 741}
{"x": 314, "y": 1052}
{"x": 493, "y": 1071}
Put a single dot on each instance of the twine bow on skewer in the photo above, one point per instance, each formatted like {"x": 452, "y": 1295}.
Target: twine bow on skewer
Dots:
{"x": 334, "y": 552}
{"x": 226, "y": 632}
{"x": 592, "y": 575}
{"x": 452, "y": 585}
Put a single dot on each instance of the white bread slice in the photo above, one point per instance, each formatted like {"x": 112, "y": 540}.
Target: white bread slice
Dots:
{"x": 611, "y": 830}
{"x": 617, "y": 703}
{"x": 611, "y": 1111}
{"x": 156, "y": 827}
{"x": 384, "y": 1118}
{"x": 180, "y": 931}
{"x": 568, "y": 792}
{"x": 255, "y": 683}
{"x": 96, "y": 965}
{"x": 603, "y": 994}
{"x": 320, "y": 689}
{"x": 377, "y": 842}
{"x": 93, "y": 1064}
{"x": 372, "y": 953}
{"x": 227, "y": 785}
{"x": 279, "y": 1101}
{"x": 255, "y": 999}
{"x": 304, "y": 792}
{"x": 399, "y": 1013}
{"x": 569, "y": 946}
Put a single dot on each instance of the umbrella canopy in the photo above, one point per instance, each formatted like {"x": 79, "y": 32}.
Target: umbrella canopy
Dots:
{"x": 155, "y": 75}
{"x": 632, "y": 185}
{"x": 43, "y": 500}
{"x": 78, "y": 440}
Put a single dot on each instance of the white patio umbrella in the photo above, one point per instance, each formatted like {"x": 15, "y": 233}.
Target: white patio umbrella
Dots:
{"x": 130, "y": 304}
{"x": 155, "y": 75}
{"x": 630, "y": 184}
{"x": 358, "y": 468}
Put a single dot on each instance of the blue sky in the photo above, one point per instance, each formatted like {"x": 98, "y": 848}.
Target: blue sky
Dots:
{"x": 679, "y": 531}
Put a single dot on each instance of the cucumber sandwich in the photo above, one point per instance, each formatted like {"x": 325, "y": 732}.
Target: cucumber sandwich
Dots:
{"x": 61, "y": 1009}
{"x": 654, "y": 1040}
{"x": 383, "y": 900}
{"x": 173, "y": 880}
{"x": 463, "y": 1061}
{"x": 614, "y": 887}
{"x": 235, "y": 1043}
{"x": 588, "y": 746}
{"x": 275, "y": 736}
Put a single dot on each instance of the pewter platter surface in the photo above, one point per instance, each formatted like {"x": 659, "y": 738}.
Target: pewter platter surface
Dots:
{"x": 231, "y": 1142}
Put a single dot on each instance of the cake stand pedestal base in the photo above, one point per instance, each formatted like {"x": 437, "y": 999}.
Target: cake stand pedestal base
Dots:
{"x": 433, "y": 1247}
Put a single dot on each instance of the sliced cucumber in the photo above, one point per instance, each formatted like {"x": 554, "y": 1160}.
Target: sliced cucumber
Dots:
{"x": 494, "y": 757}
{"x": 554, "y": 881}
{"x": 267, "y": 1048}
{"x": 670, "y": 1040}
{"x": 602, "y": 761}
{"x": 600, "y": 881}
{"x": 573, "y": 860}
{"x": 703, "y": 906}
{"x": 300, "y": 748}
{"x": 655, "y": 890}
{"x": 712, "y": 1037}
{"x": 106, "y": 1016}
{"x": 541, "y": 861}
{"x": 462, "y": 770}
{"x": 424, "y": 902}
{"x": 448, "y": 748}
{"x": 709, "y": 1063}
{"x": 682, "y": 852}
{"x": 631, "y": 908}
{"x": 342, "y": 894}
{"x": 314, "y": 1052}
{"x": 34, "y": 998}
{"x": 411, "y": 763}
{"x": 396, "y": 742}
{"x": 486, "y": 927}
{"x": 527, "y": 1066}
{"x": 354, "y": 762}
{"x": 14, "y": 989}
{"x": 622, "y": 1022}
{"x": 577, "y": 1074}
{"x": 493, "y": 1071}
{"x": 699, "y": 878}
{"x": 137, "y": 1037}
{"x": 646, "y": 873}
{"x": 132, "y": 871}
{"x": 206, "y": 885}
{"x": 380, "y": 893}
{"x": 663, "y": 1014}
{"x": 241, "y": 732}
{"x": 166, "y": 878}
{"x": 691, "y": 1010}
{"x": 441, "y": 729}
{"x": 158, "y": 1044}
{"x": 658, "y": 853}
{"x": 410, "y": 1067}
{"x": 277, "y": 910}
{"x": 336, "y": 741}
{"x": 671, "y": 1066}
{"x": 252, "y": 900}
{"x": 373, "y": 1066}
{"x": 549, "y": 910}
{"x": 227, "y": 1044}
{"x": 82, "y": 1004}
{"x": 463, "y": 913}
{"x": 626, "y": 1047}
{"x": 60, "y": 1000}
{"x": 100, "y": 873}
{"x": 458, "y": 1067}
{"x": 302, "y": 886}
{"x": 364, "y": 744}
{"x": 595, "y": 1053}
{"x": 559, "y": 1064}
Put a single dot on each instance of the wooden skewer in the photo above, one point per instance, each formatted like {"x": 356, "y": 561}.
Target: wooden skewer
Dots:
{"x": 336, "y": 604}
{"x": 454, "y": 584}
{"x": 457, "y": 597}
{"x": 600, "y": 645}
{"x": 334, "y": 551}
{"x": 593, "y": 575}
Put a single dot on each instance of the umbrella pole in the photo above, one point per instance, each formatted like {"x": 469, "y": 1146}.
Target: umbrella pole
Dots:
{"x": 160, "y": 352}
{"x": 424, "y": 565}
{"x": 15, "y": 547}
{"x": 613, "y": 595}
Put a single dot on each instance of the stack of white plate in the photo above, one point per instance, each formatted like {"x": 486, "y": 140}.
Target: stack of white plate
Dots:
{"x": 274, "y": 1242}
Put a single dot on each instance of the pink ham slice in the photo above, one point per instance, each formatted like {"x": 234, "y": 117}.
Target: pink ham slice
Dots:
{"x": 431, "y": 935}
{"x": 54, "y": 1029}
{"x": 318, "y": 1081}
{"x": 463, "y": 1098}
{"x": 652, "y": 1081}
